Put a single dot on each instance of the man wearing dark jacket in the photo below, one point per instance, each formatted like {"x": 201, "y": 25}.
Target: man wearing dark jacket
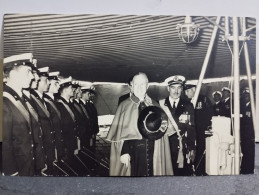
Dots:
{"x": 81, "y": 117}
{"x": 48, "y": 136}
{"x": 218, "y": 107}
{"x": 89, "y": 95}
{"x": 68, "y": 121}
{"x": 18, "y": 145}
{"x": 182, "y": 112}
{"x": 226, "y": 102}
{"x": 247, "y": 134}
{"x": 203, "y": 115}
{"x": 40, "y": 157}
{"x": 55, "y": 114}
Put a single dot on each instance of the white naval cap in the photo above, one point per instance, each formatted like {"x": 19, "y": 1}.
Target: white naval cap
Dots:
{"x": 89, "y": 88}
{"x": 65, "y": 82}
{"x": 76, "y": 84}
{"x": 225, "y": 89}
{"x": 176, "y": 79}
{"x": 18, "y": 60}
{"x": 54, "y": 75}
{"x": 216, "y": 92}
{"x": 20, "y": 57}
{"x": 43, "y": 71}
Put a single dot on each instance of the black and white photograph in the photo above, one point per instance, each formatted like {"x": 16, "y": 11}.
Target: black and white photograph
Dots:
{"x": 97, "y": 95}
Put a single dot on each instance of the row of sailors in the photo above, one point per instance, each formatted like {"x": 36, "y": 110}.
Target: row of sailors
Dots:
{"x": 39, "y": 129}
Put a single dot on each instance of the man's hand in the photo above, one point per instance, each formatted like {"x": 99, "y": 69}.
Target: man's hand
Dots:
{"x": 76, "y": 151}
{"x": 192, "y": 155}
{"x": 125, "y": 159}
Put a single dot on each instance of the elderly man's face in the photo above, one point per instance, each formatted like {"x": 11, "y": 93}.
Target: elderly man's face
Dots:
{"x": 190, "y": 92}
{"x": 139, "y": 86}
{"x": 175, "y": 91}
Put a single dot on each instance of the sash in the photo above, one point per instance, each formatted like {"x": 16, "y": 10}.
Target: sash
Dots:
{"x": 19, "y": 106}
{"x": 32, "y": 111}
{"x": 84, "y": 110}
{"x": 78, "y": 108}
{"x": 43, "y": 108}
{"x": 69, "y": 110}
{"x": 53, "y": 106}
{"x": 180, "y": 159}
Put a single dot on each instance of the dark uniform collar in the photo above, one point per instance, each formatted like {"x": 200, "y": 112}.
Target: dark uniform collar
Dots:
{"x": 12, "y": 92}
{"x": 33, "y": 92}
{"x": 47, "y": 97}
{"x": 40, "y": 95}
{"x": 26, "y": 94}
{"x": 64, "y": 100}
{"x": 82, "y": 101}
{"x": 167, "y": 102}
{"x": 76, "y": 101}
{"x": 225, "y": 100}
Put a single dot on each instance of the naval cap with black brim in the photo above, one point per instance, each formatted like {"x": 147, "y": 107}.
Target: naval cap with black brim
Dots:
{"x": 225, "y": 89}
{"x": 176, "y": 79}
{"x": 188, "y": 86}
{"x": 217, "y": 92}
{"x": 65, "y": 82}
{"x": 75, "y": 84}
{"x": 152, "y": 122}
{"x": 89, "y": 89}
{"x": 25, "y": 59}
{"x": 43, "y": 72}
{"x": 54, "y": 76}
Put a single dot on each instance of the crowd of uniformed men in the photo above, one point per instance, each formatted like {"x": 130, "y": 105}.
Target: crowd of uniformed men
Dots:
{"x": 48, "y": 122}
